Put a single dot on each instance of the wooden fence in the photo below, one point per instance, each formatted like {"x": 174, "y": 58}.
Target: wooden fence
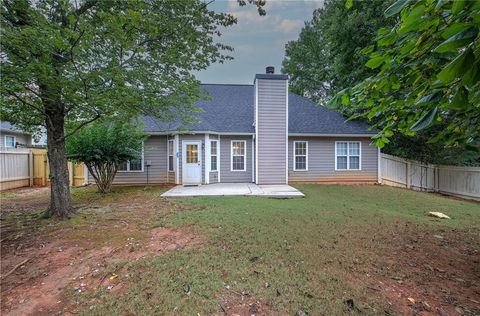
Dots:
{"x": 29, "y": 167}
{"x": 458, "y": 181}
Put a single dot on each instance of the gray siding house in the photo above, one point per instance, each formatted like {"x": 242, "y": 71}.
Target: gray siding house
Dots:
{"x": 257, "y": 133}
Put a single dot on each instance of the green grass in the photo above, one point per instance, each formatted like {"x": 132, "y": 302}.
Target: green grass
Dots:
{"x": 310, "y": 251}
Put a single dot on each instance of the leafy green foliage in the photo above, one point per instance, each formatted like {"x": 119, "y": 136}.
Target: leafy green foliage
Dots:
{"x": 102, "y": 146}
{"x": 91, "y": 59}
{"x": 427, "y": 75}
{"x": 68, "y": 63}
{"x": 327, "y": 56}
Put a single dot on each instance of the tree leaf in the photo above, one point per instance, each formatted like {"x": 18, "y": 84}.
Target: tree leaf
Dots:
{"x": 455, "y": 28}
{"x": 458, "y": 5}
{"x": 440, "y": 4}
{"x": 395, "y": 8}
{"x": 425, "y": 121}
{"x": 430, "y": 98}
{"x": 375, "y": 62}
{"x": 457, "y": 67}
{"x": 460, "y": 99}
{"x": 349, "y": 4}
{"x": 456, "y": 41}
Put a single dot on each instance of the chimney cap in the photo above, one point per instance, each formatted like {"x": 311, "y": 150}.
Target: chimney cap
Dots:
{"x": 270, "y": 70}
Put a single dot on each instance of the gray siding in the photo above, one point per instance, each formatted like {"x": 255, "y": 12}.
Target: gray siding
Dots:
{"x": 23, "y": 139}
{"x": 321, "y": 161}
{"x": 155, "y": 150}
{"x": 226, "y": 175}
{"x": 271, "y": 131}
{"x": 199, "y": 137}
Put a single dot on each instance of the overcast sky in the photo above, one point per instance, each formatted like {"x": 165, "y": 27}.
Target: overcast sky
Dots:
{"x": 259, "y": 41}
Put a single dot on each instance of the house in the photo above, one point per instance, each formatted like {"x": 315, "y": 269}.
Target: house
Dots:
{"x": 258, "y": 133}
{"x": 13, "y": 137}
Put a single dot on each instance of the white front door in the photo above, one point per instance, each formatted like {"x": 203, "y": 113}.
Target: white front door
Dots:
{"x": 191, "y": 162}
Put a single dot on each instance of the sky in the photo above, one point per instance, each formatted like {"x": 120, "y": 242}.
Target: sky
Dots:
{"x": 258, "y": 41}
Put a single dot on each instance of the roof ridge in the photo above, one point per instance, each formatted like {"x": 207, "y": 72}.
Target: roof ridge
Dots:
{"x": 226, "y": 84}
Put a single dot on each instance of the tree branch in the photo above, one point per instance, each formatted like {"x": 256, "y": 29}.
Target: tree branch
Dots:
{"x": 82, "y": 125}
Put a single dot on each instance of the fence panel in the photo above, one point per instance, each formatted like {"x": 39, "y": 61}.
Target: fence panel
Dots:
{"x": 453, "y": 180}
{"x": 27, "y": 167}
{"x": 14, "y": 169}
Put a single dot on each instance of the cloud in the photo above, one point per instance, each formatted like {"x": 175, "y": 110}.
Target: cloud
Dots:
{"x": 288, "y": 26}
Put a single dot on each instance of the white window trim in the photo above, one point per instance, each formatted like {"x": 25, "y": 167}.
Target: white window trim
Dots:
{"x": 5, "y": 141}
{"x": 348, "y": 155}
{"x": 128, "y": 164}
{"x": 244, "y": 155}
{"x": 295, "y": 155}
{"x": 170, "y": 154}
{"x": 211, "y": 154}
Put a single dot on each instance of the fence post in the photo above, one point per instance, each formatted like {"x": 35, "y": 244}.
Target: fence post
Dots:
{"x": 30, "y": 168}
{"x": 44, "y": 173}
{"x": 409, "y": 180}
{"x": 70, "y": 173}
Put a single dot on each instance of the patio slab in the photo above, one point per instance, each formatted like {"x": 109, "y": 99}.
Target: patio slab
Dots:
{"x": 280, "y": 191}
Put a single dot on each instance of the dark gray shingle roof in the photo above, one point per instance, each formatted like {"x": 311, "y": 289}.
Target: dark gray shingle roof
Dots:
{"x": 231, "y": 110}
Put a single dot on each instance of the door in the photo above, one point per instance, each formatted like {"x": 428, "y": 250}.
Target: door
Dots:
{"x": 191, "y": 162}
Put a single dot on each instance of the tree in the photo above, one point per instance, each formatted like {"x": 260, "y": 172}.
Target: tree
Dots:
{"x": 327, "y": 56}
{"x": 103, "y": 146}
{"x": 427, "y": 75}
{"x": 68, "y": 63}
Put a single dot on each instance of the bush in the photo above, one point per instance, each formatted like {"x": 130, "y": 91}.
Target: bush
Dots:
{"x": 103, "y": 146}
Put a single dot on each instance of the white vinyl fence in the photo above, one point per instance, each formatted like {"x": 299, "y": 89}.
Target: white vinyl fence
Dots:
{"x": 458, "y": 181}
{"x": 16, "y": 168}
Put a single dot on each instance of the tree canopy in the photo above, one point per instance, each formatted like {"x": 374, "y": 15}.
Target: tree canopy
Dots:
{"x": 427, "y": 74}
{"x": 68, "y": 63}
{"x": 327, "y": 56}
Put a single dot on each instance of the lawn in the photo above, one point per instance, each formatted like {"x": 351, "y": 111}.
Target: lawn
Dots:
{"x": 357, "y": 249}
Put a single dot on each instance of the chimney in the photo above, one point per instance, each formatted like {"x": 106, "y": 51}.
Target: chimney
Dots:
{"x": 271, "y": 126}
{"x": 270, "y": 70}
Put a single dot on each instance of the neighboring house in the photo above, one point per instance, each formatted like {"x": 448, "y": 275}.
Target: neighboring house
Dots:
{"x": 13, "y": 137}
{"x": 257, "y": 133}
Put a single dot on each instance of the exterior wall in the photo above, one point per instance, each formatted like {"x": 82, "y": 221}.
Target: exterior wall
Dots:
{"x": 271, "y": 130}
{"x": 321, "y": 161}
{"x": 226, "y": 175}
{"x": 155, "y": 150}
{"x": 23, "y": 139}
{"x": 198, "y": 137}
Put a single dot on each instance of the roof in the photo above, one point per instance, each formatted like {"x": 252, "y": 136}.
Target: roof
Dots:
{"x": 7, "y": 126}
{"x": 230, "y": 109}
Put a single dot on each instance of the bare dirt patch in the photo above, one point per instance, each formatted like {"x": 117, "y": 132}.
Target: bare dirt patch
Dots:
{"x": 57, "y": 261}
{"x": 428, "y": 272}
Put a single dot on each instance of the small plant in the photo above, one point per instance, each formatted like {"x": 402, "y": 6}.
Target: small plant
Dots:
{"x": 103, "y": 146}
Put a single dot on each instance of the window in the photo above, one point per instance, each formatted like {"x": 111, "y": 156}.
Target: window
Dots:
{"x": 132, "y": 165}
{"x": 192, "y": 153}
{"x": 347, "y": 156}
{"x": 170, "y": 155}
{"x": 238, "y": 155}
{"x": 300, "y": 152}
{"x": 10, "y": 141}
{"x": 213, "y": 155}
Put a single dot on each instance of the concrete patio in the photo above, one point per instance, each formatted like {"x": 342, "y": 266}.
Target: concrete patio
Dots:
{"x": 281, "y": 191}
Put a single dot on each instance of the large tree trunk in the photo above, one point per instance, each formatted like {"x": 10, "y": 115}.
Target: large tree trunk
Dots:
{"x": 60, "y": 202}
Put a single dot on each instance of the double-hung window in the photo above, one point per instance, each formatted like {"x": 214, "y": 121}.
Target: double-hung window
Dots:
{"x": 238, "y": 155}
{"x": 170, "y": 155}
{"x": 9, "y": 141}
{"x": 213, "y": 155}
{"x": 300, "y": 152}
{"x": 348, "y": 155}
